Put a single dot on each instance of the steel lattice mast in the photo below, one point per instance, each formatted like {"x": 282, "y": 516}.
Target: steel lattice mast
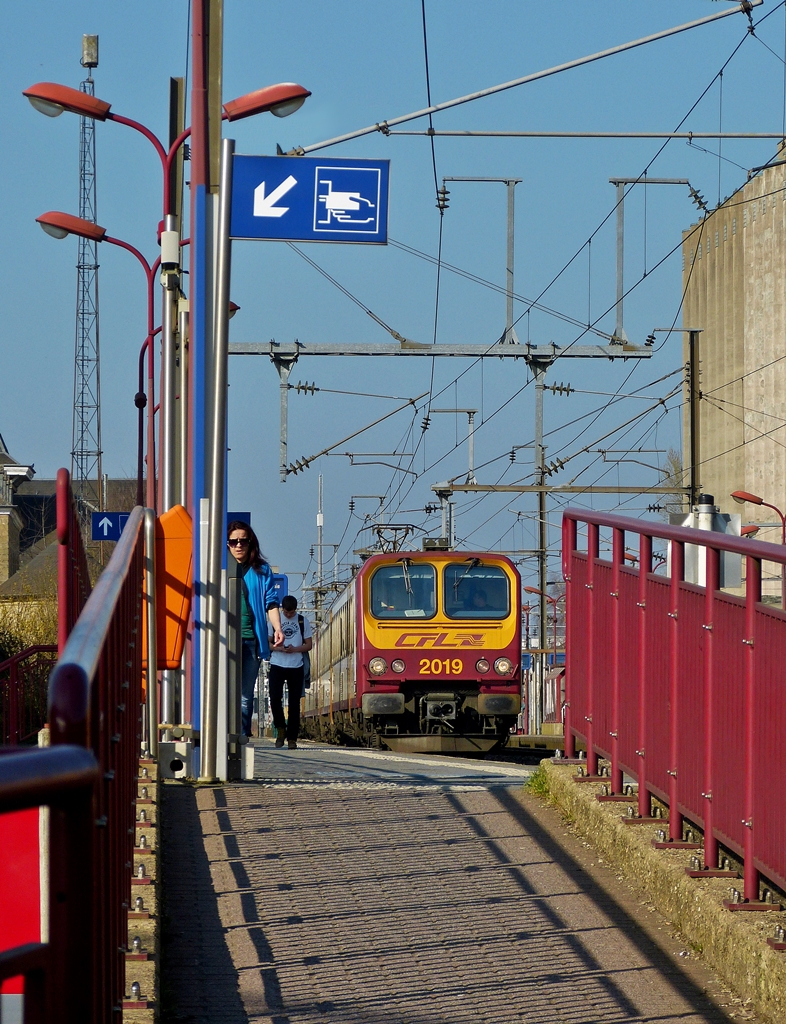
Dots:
{"x": 86, "y": 470}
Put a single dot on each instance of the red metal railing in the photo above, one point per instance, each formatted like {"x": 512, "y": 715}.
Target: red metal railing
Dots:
{"x": 681, "y": 686}
{"x": 95, "y": 695}
{"x": 24, "y": 682}
{"x": 95, "y": 701}
{"x": 73, "y": 578}
{"x": 57, "y": 972}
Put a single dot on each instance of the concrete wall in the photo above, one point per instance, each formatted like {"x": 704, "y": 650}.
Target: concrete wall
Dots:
{"x": 734, "y": 278}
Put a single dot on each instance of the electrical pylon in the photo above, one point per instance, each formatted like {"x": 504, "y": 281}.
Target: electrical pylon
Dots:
{"x": 86, "y": 469}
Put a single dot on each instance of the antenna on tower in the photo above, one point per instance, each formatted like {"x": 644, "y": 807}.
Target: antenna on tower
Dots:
{"x": 86, "y": 424}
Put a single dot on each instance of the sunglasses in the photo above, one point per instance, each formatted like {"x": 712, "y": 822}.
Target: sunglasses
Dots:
{"x": 237, "y": 542}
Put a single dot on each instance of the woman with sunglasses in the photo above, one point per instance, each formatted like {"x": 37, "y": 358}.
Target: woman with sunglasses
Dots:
{"x": 258, "y": 603}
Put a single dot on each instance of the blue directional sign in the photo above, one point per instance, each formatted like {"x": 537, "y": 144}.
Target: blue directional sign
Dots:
{"x": 280, "y": 584}
{"x": 310, "y": 199}
{"x": 108, "y": 525}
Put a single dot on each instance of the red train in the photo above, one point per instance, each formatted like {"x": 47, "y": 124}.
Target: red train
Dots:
{"x": 420, "y": 653}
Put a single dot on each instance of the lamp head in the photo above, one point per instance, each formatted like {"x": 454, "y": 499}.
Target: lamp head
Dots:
{"x": 233, "y": 308}
{"x": 52, "y": 99}
{"x": 58, "y": 225}
{"x": 750, "y": 530}
{"x": 282, "y": 100}
{"x": 742, "y": 496}
{"x": 532, "y": 590}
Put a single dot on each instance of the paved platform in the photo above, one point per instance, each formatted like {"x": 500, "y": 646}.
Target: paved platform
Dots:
{"x": 371, "y": 888}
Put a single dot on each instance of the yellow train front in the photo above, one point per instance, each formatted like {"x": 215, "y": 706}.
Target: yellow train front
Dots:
{"x": 420, "y": 653}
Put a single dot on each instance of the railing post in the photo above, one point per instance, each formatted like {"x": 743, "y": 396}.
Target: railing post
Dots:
{"x": 569, "y": 538}
{"x": 617, "y": 558}
{"x": 593, "y": 551}
{"x": 14, "y": 729}
{"x": 712, "y": 584}
{"x": 677, "y": 576}
{"x": 64, "y": 569}
{"x": 645, "y": 567}
{"x": 752, "y": 598}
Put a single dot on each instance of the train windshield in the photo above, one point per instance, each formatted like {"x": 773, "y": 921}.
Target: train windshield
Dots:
{"x": 476, "y": 591}
{"x": 405, "y": 590}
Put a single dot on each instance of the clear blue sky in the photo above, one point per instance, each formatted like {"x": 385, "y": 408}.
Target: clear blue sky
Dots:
{"x": 364, "y": 62}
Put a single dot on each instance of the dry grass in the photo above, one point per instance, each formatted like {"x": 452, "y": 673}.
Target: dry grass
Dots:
{"x": 26, "y": 624}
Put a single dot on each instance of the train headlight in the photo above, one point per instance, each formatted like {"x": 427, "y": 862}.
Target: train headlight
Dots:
{"x": 377, "y": 666}
{"x": 503, "y": 666}
{"x": 482, "y": 665}
{"x": 397, "y": 666}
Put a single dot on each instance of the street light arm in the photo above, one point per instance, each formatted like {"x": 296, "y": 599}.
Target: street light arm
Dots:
{"x": 153, "y": 139}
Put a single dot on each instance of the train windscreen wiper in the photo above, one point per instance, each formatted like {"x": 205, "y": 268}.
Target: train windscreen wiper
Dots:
{"x": 473, "y": 563}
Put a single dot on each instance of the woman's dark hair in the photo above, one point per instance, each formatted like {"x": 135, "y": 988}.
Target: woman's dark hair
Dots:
{"x": 255, "y": 557}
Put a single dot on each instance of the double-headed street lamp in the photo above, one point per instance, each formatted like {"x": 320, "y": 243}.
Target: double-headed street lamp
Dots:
{"x": 741, "y": 497}
{"x": 60, "y": 225}
{"x": 52, "y": 99}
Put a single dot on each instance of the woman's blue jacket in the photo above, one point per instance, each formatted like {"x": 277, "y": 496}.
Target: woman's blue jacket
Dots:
{"x": 261, "y": 597}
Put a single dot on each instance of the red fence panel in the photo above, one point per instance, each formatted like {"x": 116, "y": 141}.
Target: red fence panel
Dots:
{"x": 24, "y": 681}
{"x": 681, "y": 685}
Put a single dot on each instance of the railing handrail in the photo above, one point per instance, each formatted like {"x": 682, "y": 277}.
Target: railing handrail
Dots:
{"x": 684, "y": 534}
{"x": 28, "y": 652}
{"x": 36, "y": 776}
{"x": 69, "y": 700}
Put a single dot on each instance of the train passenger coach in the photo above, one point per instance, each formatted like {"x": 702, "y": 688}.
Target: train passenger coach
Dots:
{"x": 420, "y": 653}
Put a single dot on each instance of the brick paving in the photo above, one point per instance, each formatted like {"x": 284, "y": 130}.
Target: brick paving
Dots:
{"x": 332, "y": 891}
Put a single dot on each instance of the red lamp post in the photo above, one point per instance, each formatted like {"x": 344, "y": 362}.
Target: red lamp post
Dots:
{"x": 52, "y": 99}
{"x": 741, "y": 497}
{"x": 59, "y": 225}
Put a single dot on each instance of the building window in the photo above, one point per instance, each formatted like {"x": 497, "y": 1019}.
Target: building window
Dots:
{"x": 725, "y": 232}
{"x": 717, "y": 239}
{"x": 734, "y": 225}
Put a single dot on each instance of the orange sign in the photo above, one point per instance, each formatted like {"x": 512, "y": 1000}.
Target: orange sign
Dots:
{"x": 174, "y": 587}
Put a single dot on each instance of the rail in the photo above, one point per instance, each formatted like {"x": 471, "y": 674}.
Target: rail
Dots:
{"x": 24, "y": 680}
{"x": 95, "y": 701}
{"x": 58, "y": 973}
{"x": 681, "y": 686}
{"x": 73, "y": 578}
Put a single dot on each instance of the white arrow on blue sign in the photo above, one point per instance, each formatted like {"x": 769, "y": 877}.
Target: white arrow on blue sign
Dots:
{"x": 108, "y": 525}
{"x": 310, "y": 199}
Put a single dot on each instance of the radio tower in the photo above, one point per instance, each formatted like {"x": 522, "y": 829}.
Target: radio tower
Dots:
{"x": 86, "y": 427}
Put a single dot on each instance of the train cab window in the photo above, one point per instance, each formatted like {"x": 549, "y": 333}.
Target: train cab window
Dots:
{"x": 476, "y": 591}
{"x": 405, "y": 590}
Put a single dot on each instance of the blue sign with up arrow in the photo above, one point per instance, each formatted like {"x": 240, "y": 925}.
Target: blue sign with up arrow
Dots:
{"x": 310, "y": 199}
{"x": 108, "y": 525}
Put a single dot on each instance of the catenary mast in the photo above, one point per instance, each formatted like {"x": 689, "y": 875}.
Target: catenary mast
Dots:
{"x": 86, "y": 470}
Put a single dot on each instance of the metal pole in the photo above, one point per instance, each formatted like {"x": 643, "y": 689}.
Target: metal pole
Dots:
{"x": 320, "y": 524}
{"x": 619, "y": 330}
{"x": 383, "y": 124}
{"x": 539, "y": 370}
{"x": 284, "y": 368}
{"x": 169, "y": 289}
{"x": 182, "y": 474}
{"x": 471, "y": 474}
{"x": 510, "y": 337}
{"x": 217, "y": 461}
{"x": 152, "y": 652}
{"x": 695, "y": 423}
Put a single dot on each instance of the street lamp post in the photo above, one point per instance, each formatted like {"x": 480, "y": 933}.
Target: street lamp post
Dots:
{"x": 59, "y": 225}
{"x": 741, "y": 497}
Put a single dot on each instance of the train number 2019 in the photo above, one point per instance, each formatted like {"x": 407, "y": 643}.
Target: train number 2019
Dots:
{"x": 441, "y": 666}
